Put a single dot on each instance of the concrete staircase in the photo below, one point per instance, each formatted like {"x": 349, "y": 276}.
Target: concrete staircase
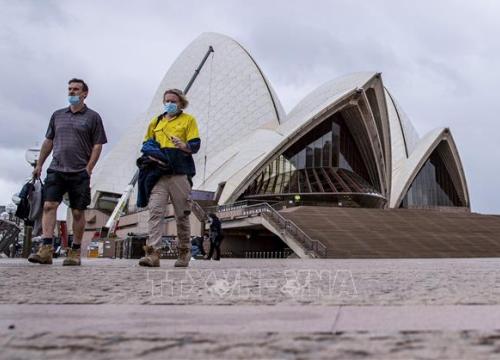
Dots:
{"x": 241, "y": 215}
{"x": 398, "y": 233}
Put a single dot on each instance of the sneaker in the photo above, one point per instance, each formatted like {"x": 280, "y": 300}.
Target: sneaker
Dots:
{"x": 73, "y": 258}
{"x": 183, "y": 258}
{"x": 43, "y": 255}
{"x": 152, "y": 258}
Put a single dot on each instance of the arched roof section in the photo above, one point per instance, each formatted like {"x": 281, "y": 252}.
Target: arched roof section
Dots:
{"x": 406, "y": 173}
{"x": 321, "y": 99}
{"x": 322, "y": 102}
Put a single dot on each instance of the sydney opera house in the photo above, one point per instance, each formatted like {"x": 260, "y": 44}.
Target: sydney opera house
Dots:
{"x": 344, "y": 173}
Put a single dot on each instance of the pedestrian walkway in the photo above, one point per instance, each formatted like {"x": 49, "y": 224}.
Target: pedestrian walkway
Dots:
{"x": 252, "y": 308}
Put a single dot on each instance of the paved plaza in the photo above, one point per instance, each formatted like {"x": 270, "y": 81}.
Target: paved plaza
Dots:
{"x": 251, "y": 308}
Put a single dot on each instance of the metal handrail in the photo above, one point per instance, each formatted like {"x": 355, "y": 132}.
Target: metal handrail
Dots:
{"x": 271, "y": 214}
{"x": 236, "y": 205}
{"x": 198, "y": 211}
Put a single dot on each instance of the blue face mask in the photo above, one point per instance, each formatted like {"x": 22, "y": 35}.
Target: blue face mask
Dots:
{"x": 170, "y": 108}
{"x": 73, "y": 99}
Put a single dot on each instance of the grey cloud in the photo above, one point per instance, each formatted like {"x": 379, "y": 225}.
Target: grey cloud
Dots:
{"x": 13, "y": 166}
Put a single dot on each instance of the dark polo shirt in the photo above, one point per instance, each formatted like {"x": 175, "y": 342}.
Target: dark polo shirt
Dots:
{"x": 74, "y": 135}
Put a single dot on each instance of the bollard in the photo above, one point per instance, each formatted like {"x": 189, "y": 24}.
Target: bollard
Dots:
{"x": 28, "y": 231}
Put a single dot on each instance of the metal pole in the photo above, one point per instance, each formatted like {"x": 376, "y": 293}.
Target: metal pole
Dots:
{"x": 28, "y": 232}
{"x": 198, "y": 69}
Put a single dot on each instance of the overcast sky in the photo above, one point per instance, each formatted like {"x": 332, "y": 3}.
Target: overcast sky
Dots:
{"x": 440, "y": 60}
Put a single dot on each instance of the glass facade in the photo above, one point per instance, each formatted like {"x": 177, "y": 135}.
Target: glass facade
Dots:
{"x": 432, "y": 186}
{"x": 326, "y": 160}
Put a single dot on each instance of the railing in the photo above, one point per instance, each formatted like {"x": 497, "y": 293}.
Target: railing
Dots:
{"x": 270, "y": 213}
{"x": 268, "y": 254}
{"x": 8, "y": 234}
{"x": 240, "y": 205}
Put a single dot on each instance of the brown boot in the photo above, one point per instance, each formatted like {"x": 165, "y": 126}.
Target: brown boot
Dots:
{"x": 43, "y": 255}
{"x": 152, "y": 258}
{"x": 73, "y": 258}
{"x": 183, "y": 258}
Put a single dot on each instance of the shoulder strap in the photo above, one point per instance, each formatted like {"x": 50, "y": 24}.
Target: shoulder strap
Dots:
{"x": 158, "y": 119}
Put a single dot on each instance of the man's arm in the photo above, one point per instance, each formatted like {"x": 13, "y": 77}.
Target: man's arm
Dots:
{"x": 44, "y": 153}
{"x": 96, "y": 152}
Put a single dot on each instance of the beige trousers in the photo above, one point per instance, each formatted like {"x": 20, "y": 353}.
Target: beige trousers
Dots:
{"x": 178, "y": 190}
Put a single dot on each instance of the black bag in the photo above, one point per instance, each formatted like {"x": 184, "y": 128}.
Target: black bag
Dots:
{"x": 146, "y": 162}
{"x": 23, "y": 208}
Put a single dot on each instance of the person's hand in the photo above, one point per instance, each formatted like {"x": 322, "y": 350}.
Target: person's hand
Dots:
{"x": 179, "y": 144}
{"x": 37, "y": 172}
{"x": 89, "y": 170}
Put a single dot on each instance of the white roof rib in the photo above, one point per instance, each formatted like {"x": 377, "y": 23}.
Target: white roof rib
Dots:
{"x": 397, "y": 139}
{"x": 410, "y": 133}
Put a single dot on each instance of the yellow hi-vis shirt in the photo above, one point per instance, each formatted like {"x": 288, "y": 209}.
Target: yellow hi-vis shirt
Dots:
{"x": 183, "y": 126}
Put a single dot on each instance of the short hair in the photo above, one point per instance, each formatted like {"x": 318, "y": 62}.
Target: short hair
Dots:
{"x": 180, "y": 94}
{"x": 213, "y": 216}
{"x": 80, "y": 81}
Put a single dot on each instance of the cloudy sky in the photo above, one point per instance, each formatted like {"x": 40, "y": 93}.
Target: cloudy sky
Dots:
{"x": 440, "y": 59}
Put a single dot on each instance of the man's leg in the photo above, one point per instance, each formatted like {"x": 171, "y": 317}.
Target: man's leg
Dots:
{"x": 49, "y": 219}
{"x": 210, "y": 250}
{"x": 79, "y": 199}
{"x": 44, "y": 253}
{"x": 157, "y": 207}
{"x": 74, "y": 254}
{"x": 217, "y": 250}
{"x": 54, "y": 188}
{"x": 78, "y": 225}
{"x": 179, "y": 190}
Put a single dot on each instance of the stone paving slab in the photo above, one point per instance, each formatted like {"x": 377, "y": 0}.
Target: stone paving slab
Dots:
{"x": 232, "y": 319}
{"x": 167, "y": 319}
{"x": 97, "y": 345}
{"x": 418, "y": 318}
{"x": 255, "y": 282}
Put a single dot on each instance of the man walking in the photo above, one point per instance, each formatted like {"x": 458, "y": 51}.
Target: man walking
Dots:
{"x": 75, "y": 135}
{"x": 216, "y": 237}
